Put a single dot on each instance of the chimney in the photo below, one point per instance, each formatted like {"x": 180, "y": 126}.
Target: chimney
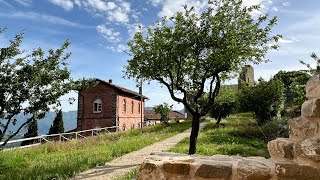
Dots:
{"x": 140, "y": 90}
{"x": 110, "y": 81}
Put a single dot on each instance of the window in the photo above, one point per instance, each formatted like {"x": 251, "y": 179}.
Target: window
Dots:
{"x": 139, "y": 108}
{"x": 97, "y": 106}
{"x": 124, "y": 108}
{"x": 132, "y": 107}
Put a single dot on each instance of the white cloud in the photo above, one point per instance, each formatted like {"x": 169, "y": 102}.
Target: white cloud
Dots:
{"x": 42, "y": 17}
{"x": 118, "y": 48}
{"x": 286, "y": 4}
{"x": 65, "y": 4}
{"x": 286, "y": 41}
{"x": 24, "y": 2}
{"x": 275, "y": 9}
{"x": 134, "y": 28}
{"x": 170, "y": 7}
{"x": 113, "y": 11}
{"x": 108, "y": 33}
{"x": 6, "y": 3}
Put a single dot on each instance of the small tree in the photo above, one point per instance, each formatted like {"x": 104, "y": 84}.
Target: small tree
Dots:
{"x": 57, "y": 126}
{"x": 265, "y": 99}
{"x": 164, "y": 110}
{"x": 294, "y": 88}
{"x": 32, "y": 132}
{"x": 190, "y": 53}
{"x": 31, "y": 83}
{"x": 225, "y": 103}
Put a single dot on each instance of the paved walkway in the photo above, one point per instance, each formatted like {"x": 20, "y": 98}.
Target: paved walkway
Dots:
{"x": 124, "y": 164}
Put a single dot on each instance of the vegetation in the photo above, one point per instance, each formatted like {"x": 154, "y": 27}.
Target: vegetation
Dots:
{"x": 32, "y": 132}
{"x": 57, "y": 126}
{"x": 163, "y": 110}
{"x": 239, "y": 135}
{"x": 131, "y": 175}
{"x": 225, "y": 103}
{"x": 64, "y": 160}
{"x": 187, "y": 51}
{"x": 31, "y": 83}
{"x": 265, "y": 99}
{"x": 312, "y": 70}
{"x": 294, "y": 89}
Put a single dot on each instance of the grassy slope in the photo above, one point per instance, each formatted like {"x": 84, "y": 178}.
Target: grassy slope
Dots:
{"x": 237, "y": 135}
{"x": 63, "y": 160}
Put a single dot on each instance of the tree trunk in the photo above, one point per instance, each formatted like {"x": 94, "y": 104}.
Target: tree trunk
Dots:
{"x": 194, "y": 133}
{"x": 218, "y": 120}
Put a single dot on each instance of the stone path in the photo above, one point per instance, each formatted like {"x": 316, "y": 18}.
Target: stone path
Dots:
{"x": 122, "y": 165}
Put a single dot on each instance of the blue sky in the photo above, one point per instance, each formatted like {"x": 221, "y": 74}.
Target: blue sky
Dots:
{"x": 100, "y": 29}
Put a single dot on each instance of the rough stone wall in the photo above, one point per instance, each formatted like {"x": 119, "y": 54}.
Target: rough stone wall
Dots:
{"x": 246, "y": 77}
{"x": 293, "y": 158}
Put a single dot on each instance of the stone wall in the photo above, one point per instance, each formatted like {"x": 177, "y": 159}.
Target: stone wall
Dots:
{"x": 293, "y": 158}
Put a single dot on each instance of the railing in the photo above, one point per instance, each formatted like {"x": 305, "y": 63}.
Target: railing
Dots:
{"x": 75, "y": 135}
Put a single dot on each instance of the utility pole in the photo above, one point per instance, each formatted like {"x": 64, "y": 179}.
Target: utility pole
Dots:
{"x": 141, "y": 104}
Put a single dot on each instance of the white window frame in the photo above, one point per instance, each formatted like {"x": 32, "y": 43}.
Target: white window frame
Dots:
{"x": 97, "y": 105}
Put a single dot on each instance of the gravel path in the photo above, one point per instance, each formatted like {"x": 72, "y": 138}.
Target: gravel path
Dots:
{"x": 124, "y": 164}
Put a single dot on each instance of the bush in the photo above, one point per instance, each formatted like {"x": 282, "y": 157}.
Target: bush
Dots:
{"x": 265, "y": 100}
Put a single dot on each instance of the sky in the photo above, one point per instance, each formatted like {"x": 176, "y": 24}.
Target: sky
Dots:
{"x": 99, "y": 31}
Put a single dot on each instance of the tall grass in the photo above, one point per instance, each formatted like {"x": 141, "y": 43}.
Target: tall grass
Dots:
{"x": 237, "y": 135}
{"x": 64, "y": 160}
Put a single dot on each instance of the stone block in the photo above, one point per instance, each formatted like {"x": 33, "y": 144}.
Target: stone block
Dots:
{"x": 253, "y": 170}
{"x": 177, "y": 167}
{"x": 302, "y": 127}
{"x": 214, "y": 169}
{"x": 281, "y": 148}
{"x": 290, "y": 170}
{"x": 311, "y": 108}
{"x": 150, "y": 170}
{"x": 311, "y": 148}
{"x": 313, "y": 87}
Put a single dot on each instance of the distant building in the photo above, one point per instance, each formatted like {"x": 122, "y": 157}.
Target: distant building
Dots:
{"x": 173, "y": 115}
{"x": 106, "y": 105}
{"x": 246, "y": 77}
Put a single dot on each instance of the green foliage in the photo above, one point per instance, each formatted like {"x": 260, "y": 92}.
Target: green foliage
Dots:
{"x": 265, "y": 99}
{"x": 163, "y": 110}
{"x": 32, "y": 132}
{"x": 31, "y": 83}
{"x": 294, "y": 88}
{"x": 64, "y": 160}
{"x": 225, "y": 103}
{"x": 186, "y": 51}
{"x": 57, "y": 126}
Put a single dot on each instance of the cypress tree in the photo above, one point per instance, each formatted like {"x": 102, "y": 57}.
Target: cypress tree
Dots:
{"x": 57, "y": 126}
{"x": 32, "y": 132}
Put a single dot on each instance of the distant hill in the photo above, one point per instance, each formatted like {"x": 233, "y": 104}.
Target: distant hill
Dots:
{"x": 69, "y": 120}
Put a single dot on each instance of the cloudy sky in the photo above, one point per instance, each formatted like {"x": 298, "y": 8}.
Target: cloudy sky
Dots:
{"x": 100, "y": 29}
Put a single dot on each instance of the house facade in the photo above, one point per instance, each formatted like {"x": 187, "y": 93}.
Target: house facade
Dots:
{"x": 107, "y": 105}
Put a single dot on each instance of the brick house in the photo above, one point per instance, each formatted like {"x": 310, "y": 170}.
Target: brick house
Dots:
{"x": 106, "y": 105}
{"x": 152, "y": 115}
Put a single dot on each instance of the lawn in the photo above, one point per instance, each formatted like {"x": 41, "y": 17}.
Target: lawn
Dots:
{"x": 64, "y": 160}
{"x": 237, "y": 135}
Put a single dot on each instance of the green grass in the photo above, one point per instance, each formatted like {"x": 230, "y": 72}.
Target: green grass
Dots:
{"x": 237, "y": 135}
{"x": 130, "y": 175}
{"x": 64, "y": 160}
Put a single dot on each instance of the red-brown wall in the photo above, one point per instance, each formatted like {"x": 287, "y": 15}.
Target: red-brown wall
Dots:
{"x": 87, "y": 119}
{"x": 112, "y": 108}
{"x": 127, "y": 117}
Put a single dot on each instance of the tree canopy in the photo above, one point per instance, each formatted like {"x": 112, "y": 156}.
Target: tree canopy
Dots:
{"x": 57, "y": 125}
{"x": 192, "y": 53}
{"x": 164, "y": 110}
{"x": 31, "y": 83}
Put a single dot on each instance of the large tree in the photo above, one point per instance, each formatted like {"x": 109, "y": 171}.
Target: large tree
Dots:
{"x": 31, "y": 83}
{"x": 57, "y": 125}
{"x": 191, "y": 53}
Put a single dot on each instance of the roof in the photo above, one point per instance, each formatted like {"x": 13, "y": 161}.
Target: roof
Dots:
{"x": 122, "y": 89}
{"x": 151, "y": 114}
